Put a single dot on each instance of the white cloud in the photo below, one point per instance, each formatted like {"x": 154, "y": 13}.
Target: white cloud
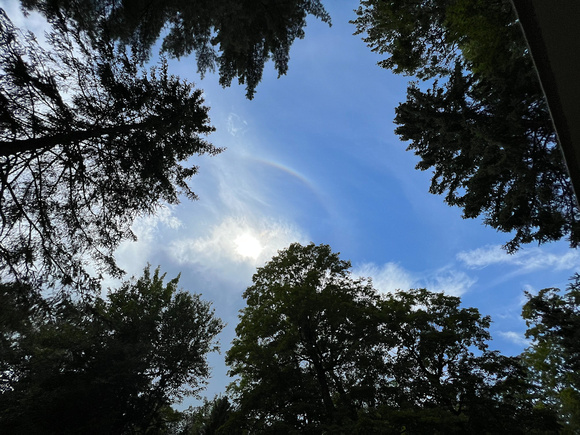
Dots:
{"x": 528, "y": 259}
{"x": 33, "y": 22}
{"x": 133, "y": 256}
{"x": 236, "y": 246}
{"x": 236, "y": 125}
{"x": 449, "y": 281}
{"x": 482, "y": 257}
{"x": 388, "y": 278}
{"x": 514, "y": 337}
{"x": 392, "y": 276}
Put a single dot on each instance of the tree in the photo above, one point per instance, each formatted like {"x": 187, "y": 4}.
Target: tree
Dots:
{"x": 318, "y": 351}
{"x": 440, "y": 376}
{"x": 553, "y": 322}
{"x": 306, "y": 349}
{"x": 484, "y": 126}
{"x": 208, "y": 419}
{"x": 237, "y": 37}
{"x": 111, "y": 365}
{"x": 88, "y": 142}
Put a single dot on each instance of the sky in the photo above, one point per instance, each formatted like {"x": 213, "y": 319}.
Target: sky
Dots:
{"x": 314, "y": 158}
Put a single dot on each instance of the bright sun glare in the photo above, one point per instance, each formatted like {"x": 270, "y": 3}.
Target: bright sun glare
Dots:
{"x": 248, "y": 246}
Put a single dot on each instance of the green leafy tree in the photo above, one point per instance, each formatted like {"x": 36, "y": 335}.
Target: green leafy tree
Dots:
{"x": 553, "y": 323}
{"x": 87, "y": 143}
{"x": 207, "y": 419}
{"x": 236, "y": 37}
{"x": 307, "y": 345}
{"x": 440, "y": 377}
{"x": 111, "y": 365}
{"x": 483, "y": 127}
{"x": 319, "y": 351}
{"x": 20, "y": 306}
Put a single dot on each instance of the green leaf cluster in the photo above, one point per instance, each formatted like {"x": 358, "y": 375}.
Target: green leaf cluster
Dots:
{"x": 320, "y": 351}
{"x": 111, "y": 365}
{"x": 553, "y": 321}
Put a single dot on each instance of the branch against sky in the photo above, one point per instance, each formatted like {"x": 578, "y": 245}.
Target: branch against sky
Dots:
{"x": 483, "y": 127}
{"x": 89, "y": 142}
{"x": 235, "y": 37}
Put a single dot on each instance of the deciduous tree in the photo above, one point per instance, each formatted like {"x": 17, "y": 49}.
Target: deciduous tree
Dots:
{"x": 307, "y": 345}
{"x": 441, "y": 377}
{"x": 318, "y": 350}
{"x": 553, "y": 321}
{"x": 112, "y": 365}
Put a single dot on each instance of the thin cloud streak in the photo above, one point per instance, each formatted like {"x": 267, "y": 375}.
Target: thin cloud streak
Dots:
{"x": 514, "y": 337}
{"x": 132, "y": 256}
{"x": 392, "y": 277}
{"x": 530, "y": 259}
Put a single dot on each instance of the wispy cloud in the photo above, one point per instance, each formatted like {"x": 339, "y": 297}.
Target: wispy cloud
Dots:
{"x": 236, "y": 126}
{"x": 482, "y": 257}
{"x": 235, "y": 247}
{"x": 529, "y": 259}
{"x": 391, "y": 277}
{"x": 450, "y": 281}
{"x": 514, "y": 337}
{"x": 387, "y": 278}
{"x": 132, "y": 256}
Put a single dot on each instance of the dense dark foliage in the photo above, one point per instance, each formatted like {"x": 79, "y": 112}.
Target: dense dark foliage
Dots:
{"x": 319, "y": 351}
{"x": 111, "y": 365}
{"x": 88, "y": 142}
{"x": 210, "y": 418}
{"x": 553, "y": 321}
{"x": 483, "y": 126}
{"x": 236, "y": 37}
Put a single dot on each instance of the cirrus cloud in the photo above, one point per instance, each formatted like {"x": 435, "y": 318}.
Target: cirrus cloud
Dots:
{"x": 514, "y": 337}
{"x": 529, "y": 259}
{"x": 392, "y": 276}
{"x": 222, "y": 253}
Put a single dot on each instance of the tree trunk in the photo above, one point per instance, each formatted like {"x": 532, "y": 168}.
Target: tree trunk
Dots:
{"x": 13, "y": 147}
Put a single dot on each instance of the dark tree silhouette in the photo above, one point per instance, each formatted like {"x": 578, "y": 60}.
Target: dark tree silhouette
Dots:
{"x": 320, "y": 351}
{"x": 107, "y": 365}
{"x": 88, "y": 142}
{"x": 236, "y": 37}
{"x": 484, "y": 127}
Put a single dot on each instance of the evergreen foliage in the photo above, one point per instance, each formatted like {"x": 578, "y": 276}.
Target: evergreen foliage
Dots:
{"x": 88, "y": 142}
{"x": 236, "y": 37}
{"x": 483, "y": 126}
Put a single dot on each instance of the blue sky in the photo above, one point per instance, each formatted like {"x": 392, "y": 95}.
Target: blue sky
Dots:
{"x": 314, "y": 158}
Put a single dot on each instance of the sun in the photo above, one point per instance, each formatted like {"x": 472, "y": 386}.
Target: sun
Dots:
{"x": 248, "y": 246}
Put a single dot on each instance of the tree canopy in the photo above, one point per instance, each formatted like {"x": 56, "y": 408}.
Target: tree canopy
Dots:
{"x": 318, "y": 351}
{"x": 235, "y": 37}
{"x": 111, "y": 365}
{"x": 483, "y": 126}
{"x": 294, "y": 353}
{"x": 88, "y": 142}
{"x": 553, "y": 321}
